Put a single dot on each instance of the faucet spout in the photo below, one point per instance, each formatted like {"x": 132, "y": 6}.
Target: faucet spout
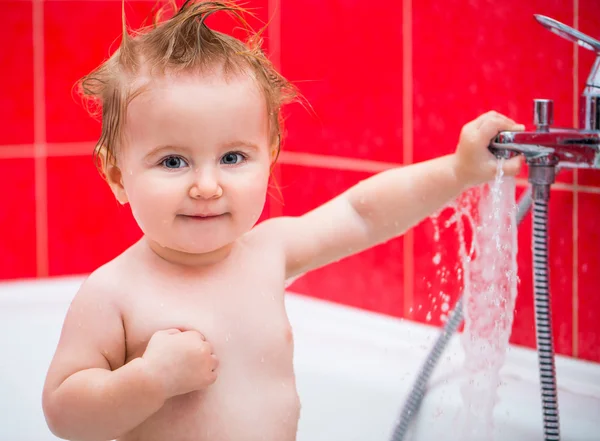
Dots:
{"x": 589, "y": 106}
{"x": 565, "y": 148}
{"x": 589, "y": 115}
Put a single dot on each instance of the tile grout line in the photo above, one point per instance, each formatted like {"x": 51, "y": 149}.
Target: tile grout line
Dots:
{"x": 58, "y": 1}
{"x": 274, "y": 34}
{"x": 302, "y": 159}
{"x": 575, "y": 228}
{"x": 335, "y": 162}
{"x": 39, "y": 137}
{"x": 407, "y": 150}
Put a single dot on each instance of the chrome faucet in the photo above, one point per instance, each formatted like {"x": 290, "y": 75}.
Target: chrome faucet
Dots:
{"x": 548, "y": 147}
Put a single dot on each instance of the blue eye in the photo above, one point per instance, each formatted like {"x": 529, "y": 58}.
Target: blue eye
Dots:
{"x": 233, "y": 158}
{"x": 173, "y": 162}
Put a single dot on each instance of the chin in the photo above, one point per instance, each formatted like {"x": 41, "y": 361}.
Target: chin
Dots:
{"x": 203, "y": 249}
{"x": 197, "y": 247}
{"x": 199, "y": 240}
{"x": 202, "y": 244}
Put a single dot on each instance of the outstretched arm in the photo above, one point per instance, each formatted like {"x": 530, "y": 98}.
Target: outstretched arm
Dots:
{"x": 384, "y": 206}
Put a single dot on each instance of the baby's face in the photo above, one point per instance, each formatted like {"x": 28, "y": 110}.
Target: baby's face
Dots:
{"x": 195, "y": 165}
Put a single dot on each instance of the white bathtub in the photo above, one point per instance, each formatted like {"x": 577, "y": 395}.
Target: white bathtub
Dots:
{"x": 354, "y": 370}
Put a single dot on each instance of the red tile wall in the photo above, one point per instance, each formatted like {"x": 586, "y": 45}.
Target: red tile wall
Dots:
{"x": 389, "y": 85}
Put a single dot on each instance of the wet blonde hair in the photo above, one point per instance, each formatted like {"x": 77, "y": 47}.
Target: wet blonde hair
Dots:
{"x": 182, "y": 43}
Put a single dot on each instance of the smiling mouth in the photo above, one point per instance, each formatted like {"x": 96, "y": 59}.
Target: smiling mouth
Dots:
{"x": 201, "y": 217}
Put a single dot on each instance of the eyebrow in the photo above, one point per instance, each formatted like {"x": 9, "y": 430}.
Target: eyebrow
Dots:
{"x": 238, "y": 143}
{"x": 156, "y": 150}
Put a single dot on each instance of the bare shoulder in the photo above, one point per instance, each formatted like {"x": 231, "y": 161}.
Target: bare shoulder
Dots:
{"x": 102, "y": 288}
{"x": 271, "y": 233}
{"x": 281, "y": 236}
{"x": 325, "y": 234}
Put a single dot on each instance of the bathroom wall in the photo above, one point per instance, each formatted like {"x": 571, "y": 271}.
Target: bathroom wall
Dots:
{"x": 389, "y": 86}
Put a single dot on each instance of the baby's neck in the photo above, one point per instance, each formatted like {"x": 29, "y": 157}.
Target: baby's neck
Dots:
{"x": 183, "y": 259}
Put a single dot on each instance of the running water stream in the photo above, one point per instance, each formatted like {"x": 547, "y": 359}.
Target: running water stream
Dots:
{"x": 489, "y": 268}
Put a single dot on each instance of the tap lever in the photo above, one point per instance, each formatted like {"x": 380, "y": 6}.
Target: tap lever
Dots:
{"x": 543, "y": 114}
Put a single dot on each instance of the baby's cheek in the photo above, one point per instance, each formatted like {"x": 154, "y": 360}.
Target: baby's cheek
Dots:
{"x": 150, "y": 217}
{"x": 138, "y": 216}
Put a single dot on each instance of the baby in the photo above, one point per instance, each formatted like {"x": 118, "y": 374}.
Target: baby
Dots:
{"x": 184, "y": 336}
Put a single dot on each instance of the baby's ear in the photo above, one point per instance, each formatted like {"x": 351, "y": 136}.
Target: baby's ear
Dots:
{"x": 113, "y": 175}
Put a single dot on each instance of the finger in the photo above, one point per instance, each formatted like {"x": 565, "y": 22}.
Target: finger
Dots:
{"x": 492, "y": 114}
{"x": 500, "y": 119}
{"x": 194, "y": 332}
{"x": 477, "y": 122}
{"x": 491, "y": 127}
{"x": 513, "y": 166}
{"x": 171, "y": 331}
{"x": 212, "y": 377}
{"x": 208, "y": 348}
{"x": 202, "y": 336}
{"x": 495, "y": 116}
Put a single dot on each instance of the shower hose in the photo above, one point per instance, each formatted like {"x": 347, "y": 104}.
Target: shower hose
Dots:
{"x": 542, "y": 321}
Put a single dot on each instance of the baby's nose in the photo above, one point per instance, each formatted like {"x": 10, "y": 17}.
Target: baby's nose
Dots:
{"x": 206, "y": 186}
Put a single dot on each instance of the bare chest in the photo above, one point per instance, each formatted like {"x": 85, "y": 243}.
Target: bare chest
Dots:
{"x": 242, "y": 314}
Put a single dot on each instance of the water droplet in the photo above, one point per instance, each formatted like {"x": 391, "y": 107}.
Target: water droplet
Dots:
{"x": 437, "y": 258}
{"x": 162, "y": 304}
{"x": 228, "y": 336}
{"x": 262, "y": 359}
